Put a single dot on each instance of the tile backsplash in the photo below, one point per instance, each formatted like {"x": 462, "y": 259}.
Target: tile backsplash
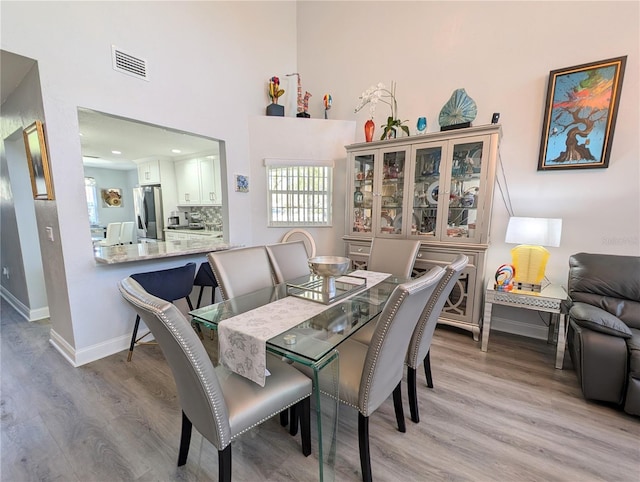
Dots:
{"x": 210, "y": 215}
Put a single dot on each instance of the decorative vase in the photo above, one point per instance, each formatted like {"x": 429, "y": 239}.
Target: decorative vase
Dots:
{"x": 275, "y": 110}
{"x": 369, "y": 127}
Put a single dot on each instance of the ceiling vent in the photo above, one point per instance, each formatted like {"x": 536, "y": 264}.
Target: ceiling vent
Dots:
{"x": 128, "y": 64}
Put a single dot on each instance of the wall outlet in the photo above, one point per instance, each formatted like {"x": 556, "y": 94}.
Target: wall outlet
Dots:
{"x": 49, "y": 231}
{"x": 5, "y": 271}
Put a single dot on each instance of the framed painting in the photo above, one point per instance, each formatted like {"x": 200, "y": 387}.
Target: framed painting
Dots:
{"x": 112, "y": 197}
{"x": 38, "y": 161}
{"x": 242, "y": 183}
{"x": 580, "y": 115}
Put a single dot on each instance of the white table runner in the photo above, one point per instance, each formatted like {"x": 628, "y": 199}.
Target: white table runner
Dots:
{"x": 243, "y": 337}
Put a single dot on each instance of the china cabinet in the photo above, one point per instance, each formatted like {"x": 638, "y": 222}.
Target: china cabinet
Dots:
{"x": 437, "y": 188}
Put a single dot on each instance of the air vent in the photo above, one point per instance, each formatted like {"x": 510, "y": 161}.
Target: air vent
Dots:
{"x": 128, "y": 64}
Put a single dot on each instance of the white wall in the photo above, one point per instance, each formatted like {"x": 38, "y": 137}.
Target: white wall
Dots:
{"x": 24, "y": 287}
{"x": 501, "y": 53}
{"x": 305, "y": 139}
{"x": 209, "y": 63}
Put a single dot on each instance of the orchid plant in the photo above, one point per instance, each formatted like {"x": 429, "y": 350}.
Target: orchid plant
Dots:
{"x": 380, "y": 93}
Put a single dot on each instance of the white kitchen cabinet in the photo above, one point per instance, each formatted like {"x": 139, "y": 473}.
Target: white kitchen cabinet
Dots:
{"x": 188, "y": 182}
{"x": 210, "y": 186}
{"x": 175, "y": 236}
{"x": 191, "y": 235}
{"x": 437, "y": 188}
{"x": 149, "y": 173}
{"x": 198, "y": 182}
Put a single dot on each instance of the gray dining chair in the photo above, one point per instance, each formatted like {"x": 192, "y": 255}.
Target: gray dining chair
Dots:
{"x": 395, "y": 256}
{"x": 420, "y": 345}
{"x": 221, "y": 404}
{"x": 241, "y": 271}
{"x": 368, "y": 374}
{"x": 288, "y": 260}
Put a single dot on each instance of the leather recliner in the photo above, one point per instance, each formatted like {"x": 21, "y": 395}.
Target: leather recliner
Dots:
{"x": 604, "y": 327}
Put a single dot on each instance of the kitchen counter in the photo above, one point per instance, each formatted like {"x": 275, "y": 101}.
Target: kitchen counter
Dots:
{"x": 206, "y": 232}
{"x": 161, "y": 249}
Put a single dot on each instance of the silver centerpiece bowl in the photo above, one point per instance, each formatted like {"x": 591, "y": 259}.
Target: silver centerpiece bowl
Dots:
{"x": 328, "y": 267}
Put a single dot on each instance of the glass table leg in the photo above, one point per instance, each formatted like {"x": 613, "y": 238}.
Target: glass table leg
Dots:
{"x": 325, "y": 392}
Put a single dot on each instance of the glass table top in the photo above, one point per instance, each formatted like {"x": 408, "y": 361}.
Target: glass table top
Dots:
{"x": 314, "y": 338}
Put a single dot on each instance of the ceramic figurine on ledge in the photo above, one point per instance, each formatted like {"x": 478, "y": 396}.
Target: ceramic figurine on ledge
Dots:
{"x": 303, "y": 102}
{"x": 275, "y": 91}
{"x": 327, "y": 104}
{"x": 504, "y": 277}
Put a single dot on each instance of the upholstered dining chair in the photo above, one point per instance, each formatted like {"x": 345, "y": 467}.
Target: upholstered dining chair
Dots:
{"x": 221, "y": 404}
{"x": 205, "y": 278}
{"x": 368, "y": 374}
{"x": 395, "y": 256}
{"x": 420, "y": 345}
{"x": 288, "y": 260}
{"x": 241, "y": 271}
{"x": 126, "y": 232}
{"x": 113, "y": 235}
{"x": 167, "y": 284}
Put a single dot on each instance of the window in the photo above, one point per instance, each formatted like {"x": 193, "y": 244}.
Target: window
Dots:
{"x": 92, "y": 199}
{"x": 299, "y": 192}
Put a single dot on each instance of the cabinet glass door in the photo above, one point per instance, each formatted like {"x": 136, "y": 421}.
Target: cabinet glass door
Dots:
{"x": 465, "y": 178}
{"x": 391, "y": 206}
{"x": 363, "y": 165}
{"x": 426, "y": 188}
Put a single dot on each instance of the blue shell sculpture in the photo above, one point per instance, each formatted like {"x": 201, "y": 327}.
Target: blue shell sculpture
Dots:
{"x": 460, "y": 108}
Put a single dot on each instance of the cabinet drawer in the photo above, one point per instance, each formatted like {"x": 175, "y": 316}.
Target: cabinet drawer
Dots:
{"x": 358, "y": 250}
{"x": 428, "y": 258}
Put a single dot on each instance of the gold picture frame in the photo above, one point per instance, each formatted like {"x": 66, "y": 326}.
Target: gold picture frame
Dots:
{"x": 38, "y": 161}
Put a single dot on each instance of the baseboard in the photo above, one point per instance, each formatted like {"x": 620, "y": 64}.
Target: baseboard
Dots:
{"x": 530, "y": 330}
{"x": 24, "y": 311}
{"x": 65, "y": 349}
{"x": 92, "y": 353}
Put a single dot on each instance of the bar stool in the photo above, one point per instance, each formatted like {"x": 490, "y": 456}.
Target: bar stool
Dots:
{"x": 204, "y": 278}
{"x": 168, "y": 284}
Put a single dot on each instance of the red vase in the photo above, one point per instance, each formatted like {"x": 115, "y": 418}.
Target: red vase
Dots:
{"x": 369, "y": 127}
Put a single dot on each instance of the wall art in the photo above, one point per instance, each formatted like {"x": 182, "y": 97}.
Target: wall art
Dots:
{"x": 111, "y": 197}
{"x": 38, "y": 161}
{"x": 580, "y": 115}
{"x": 242, "y": 183}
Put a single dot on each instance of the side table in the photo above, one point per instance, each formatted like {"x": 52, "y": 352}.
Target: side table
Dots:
{"x": 550, "y": 299}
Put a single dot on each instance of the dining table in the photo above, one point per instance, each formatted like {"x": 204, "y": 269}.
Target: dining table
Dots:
{"x": 313, "y": 340}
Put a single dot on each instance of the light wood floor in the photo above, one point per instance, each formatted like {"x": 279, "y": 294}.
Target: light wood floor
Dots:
{"x": 504, "y": 415}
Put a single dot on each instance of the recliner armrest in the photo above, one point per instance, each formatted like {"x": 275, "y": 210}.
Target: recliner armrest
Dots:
{"x": 597, "y": 319}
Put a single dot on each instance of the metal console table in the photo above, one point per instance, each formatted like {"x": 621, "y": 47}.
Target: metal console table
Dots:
{"x": 551, "y": 300}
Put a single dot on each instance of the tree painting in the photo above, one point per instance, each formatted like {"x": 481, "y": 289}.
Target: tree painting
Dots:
{"x": 580, "y": 115}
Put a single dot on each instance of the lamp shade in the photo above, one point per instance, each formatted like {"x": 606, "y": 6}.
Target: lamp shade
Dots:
{"x": 534, "y": 231}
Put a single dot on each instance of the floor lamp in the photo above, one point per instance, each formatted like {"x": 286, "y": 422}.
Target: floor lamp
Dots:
{"x": 530, "y": 257}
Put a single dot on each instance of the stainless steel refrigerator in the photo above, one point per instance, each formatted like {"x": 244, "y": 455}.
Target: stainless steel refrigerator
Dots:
{"x": 149, "y": 218}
